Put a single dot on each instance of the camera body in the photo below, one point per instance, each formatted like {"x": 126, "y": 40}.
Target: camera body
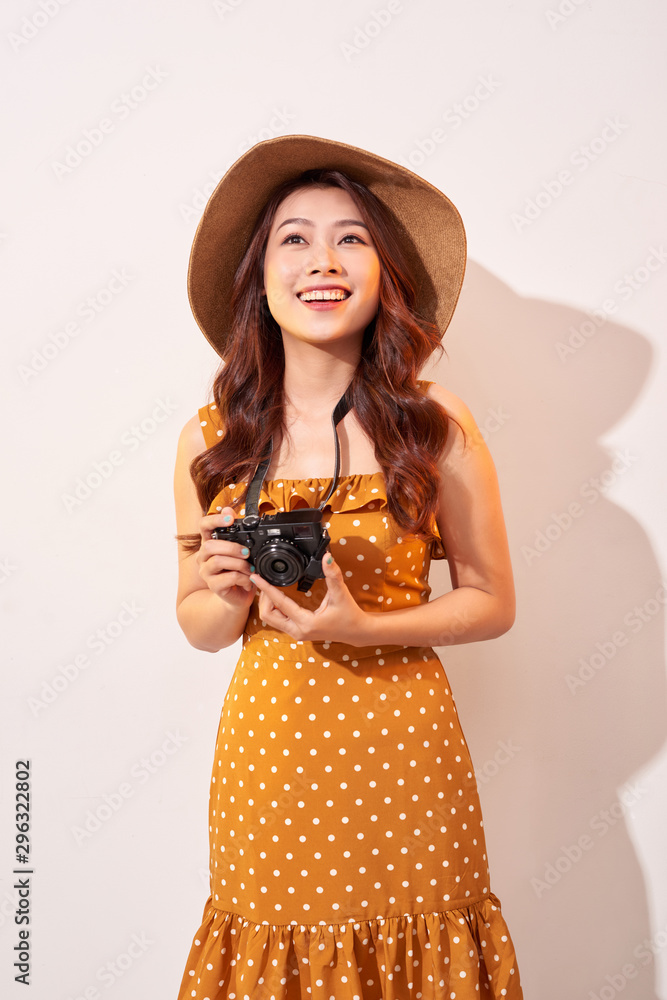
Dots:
{"x": 285, "y": 547}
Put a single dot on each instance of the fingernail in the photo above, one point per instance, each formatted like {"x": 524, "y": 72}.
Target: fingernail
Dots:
{"x": 245, "y": 551}
{"x": 252, "y": 569}
{"x": 329, "y": 560}
{"x": 227, "y": 519}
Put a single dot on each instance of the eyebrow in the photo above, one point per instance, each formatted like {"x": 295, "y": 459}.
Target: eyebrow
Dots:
{"x": 309, "y": 222}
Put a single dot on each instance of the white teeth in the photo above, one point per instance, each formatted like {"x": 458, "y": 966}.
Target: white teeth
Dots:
{"x": 334, "y": 294}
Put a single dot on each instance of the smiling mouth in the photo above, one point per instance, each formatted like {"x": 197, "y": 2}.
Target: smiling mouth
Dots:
{"x": 324, "y": 295}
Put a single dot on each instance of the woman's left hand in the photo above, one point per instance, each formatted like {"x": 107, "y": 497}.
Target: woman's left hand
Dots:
{"x": 338, "y": 618}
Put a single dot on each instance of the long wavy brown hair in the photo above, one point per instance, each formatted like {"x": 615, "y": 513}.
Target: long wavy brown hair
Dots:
{"x": 409, "y": 430}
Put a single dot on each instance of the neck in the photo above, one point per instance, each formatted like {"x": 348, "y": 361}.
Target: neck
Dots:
{"x": 316, "y": 377}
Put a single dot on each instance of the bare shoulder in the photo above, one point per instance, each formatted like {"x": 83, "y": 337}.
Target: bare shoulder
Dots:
{"x": 464, "y": 441}
{"x": 190, "y": 444}
{"x": 191, "y": 440}
{"x": 452, "y": 404}
{"x": 470, "y": 515}
{"x": 188, "y": 508}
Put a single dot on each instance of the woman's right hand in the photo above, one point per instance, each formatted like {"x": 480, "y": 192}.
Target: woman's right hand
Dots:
{"x": 224, "y": 565}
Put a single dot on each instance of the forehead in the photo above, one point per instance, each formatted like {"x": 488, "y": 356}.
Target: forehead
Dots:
{"x": 311, "y": 201}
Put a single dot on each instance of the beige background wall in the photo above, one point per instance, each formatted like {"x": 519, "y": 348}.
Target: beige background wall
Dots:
{"x": 543, "y": 121}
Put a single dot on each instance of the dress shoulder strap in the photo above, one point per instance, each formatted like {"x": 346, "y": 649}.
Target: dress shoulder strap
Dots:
{"x": 209, "y": 418}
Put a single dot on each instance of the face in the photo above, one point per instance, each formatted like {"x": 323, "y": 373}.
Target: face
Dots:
{"x": 321, "y": 269}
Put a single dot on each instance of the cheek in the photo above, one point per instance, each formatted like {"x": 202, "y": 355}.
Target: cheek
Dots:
{"x": 373, "y": 296}
{"x": 278, "y": 286}
{"x": 373, "y": 285}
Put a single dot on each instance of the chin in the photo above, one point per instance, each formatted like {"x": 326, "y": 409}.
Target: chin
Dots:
{"x": 320, "y": 333}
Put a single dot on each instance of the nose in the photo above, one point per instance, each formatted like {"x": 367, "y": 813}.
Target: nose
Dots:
{"x": 323, "y": 259}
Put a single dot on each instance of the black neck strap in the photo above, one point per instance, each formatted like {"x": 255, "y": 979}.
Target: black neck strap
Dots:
{"x": 255, "y": 488}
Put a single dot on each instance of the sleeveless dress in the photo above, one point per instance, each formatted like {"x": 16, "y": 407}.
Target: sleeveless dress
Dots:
{"x": 347, "y": 851}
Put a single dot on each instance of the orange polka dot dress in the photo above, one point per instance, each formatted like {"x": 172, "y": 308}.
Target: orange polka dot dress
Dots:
{"x": 347, "y": 850}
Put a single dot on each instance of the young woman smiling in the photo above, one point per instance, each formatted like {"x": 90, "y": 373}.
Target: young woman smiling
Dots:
{"x": 348, "y": 857}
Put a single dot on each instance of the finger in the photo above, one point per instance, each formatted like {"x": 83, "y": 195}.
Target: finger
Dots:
{"x": 222, "y": 547}
{"x": 224, "y": 563}
{"x": 332, "y": 571}
{"x": 273, "y": 593}
{"x": 279, "y": 599}
{"x": 270, "y": 614}
{"x": 242, "y": 580}
{"x": 221, "y": 519}
{"x": 229, "y": 581}
{"x": 267, "y": 608}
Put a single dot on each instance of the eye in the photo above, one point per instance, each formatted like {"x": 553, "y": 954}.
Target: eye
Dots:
{"x": 352, "y": 236}
{"x": 292, "y": 236}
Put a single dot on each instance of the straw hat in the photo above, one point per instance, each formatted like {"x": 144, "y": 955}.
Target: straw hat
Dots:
{"x": 428, "y": 225}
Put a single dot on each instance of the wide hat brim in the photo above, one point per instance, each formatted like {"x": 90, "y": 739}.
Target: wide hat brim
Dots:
{"x": 428, "y": 225}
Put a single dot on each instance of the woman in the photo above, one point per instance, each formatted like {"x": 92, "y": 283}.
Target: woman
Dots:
{"x": 347, "y": 846}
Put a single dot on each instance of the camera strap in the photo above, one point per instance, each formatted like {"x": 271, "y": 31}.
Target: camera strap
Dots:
{"x": 252, "y": 498}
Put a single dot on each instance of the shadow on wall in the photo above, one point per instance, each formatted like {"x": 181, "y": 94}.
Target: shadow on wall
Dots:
{"x": 576, "y": 690}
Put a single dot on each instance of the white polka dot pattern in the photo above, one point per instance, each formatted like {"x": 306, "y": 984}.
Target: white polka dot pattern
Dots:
{"x": 348, "y": 856}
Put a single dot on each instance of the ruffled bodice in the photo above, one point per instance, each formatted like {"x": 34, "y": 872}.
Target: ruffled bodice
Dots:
{"x": 384, "y": 575}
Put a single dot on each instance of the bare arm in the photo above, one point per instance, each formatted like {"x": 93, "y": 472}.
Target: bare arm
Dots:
{"x": 481, "y": 604}
{"x": 214, "y": 589}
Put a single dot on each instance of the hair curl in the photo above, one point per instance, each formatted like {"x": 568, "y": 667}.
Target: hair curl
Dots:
{"x": 409, "y": 430}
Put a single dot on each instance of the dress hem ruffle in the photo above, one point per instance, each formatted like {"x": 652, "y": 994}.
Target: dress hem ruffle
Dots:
{"x": 460, "y": 953}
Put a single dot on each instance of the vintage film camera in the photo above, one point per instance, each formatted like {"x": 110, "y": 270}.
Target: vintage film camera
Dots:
{"x": 286, "y": 547}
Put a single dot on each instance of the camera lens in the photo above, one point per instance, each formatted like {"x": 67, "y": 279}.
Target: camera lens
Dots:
{"x": 280, "y": 562}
